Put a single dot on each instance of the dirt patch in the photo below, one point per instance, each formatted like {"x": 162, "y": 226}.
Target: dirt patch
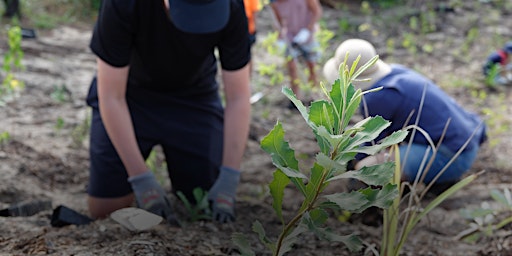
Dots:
{"x": 47, "y": 157}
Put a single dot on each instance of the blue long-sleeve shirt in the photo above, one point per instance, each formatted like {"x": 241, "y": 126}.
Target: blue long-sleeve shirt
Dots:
{"x": 401, "y": 94}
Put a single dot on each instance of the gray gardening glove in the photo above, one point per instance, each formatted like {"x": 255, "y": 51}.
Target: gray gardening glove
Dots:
{"x": 151, "y": 197}
{"x": 222, "y": 195}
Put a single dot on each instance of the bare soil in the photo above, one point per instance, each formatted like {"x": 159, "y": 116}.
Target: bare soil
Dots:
{"x": 47, "y": 155}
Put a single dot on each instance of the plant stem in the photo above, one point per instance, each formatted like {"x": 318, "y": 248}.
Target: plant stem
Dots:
{"x": 293, "y": 222}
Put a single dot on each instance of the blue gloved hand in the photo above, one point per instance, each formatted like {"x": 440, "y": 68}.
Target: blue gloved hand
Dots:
{"x": 151, "y": 197}
{"x": 222, "y": 195}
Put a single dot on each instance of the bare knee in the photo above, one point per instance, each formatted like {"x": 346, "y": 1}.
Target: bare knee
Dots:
{"x": 102, "y": 207}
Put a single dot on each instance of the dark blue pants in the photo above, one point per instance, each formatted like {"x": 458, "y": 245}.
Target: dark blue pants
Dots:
{"x": 190, "y": 131}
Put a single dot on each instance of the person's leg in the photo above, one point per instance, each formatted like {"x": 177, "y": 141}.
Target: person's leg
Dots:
{"x": 413, "y": 159}
{"x": 193, "y": 146}
{"x": 12, "y": 8}
{"x": 453, "y": 171}
{"x": 108, "y": 188}
{"x": 294, "y": 80}
{"x": 416, "y": 162}
{"x": 102, "y": 207}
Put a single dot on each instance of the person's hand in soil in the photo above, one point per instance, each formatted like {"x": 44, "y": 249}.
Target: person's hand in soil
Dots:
{"x": 151, "y": 197}
{"x": 222, "y": 195}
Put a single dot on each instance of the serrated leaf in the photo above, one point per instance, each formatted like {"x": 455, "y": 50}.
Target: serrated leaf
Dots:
{"x": 322, "y": 142}
{"x": 329, "y": 164}
{"x": 352, "y": 242}
{"x": 369, "y": 129}
{"x": 243, "y": 244}
{"x": 394, "y": 138}
{"x": 381, "y": 198}
{"x": 330, "y": 139}
{"x": 291, "y": 239}
{"x": 318, "y": 216}
{"x": 258, "y": 229}
{"x": 279, "y": 149}
{"x": 283, "y": 157}
{"x": 352, "y": 201}
{"x": 291, "y": 172}
{"x": 277, "y": 187}
{"x": 372, "y": 175}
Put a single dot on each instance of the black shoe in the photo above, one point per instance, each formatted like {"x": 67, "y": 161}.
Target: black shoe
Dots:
{"x": 27, "y": 208}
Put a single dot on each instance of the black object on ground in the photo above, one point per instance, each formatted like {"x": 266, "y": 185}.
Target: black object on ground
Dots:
{"x": 26, "y": 208}
{"x": 63, "y": 216}
{"x": 28, "y": 33}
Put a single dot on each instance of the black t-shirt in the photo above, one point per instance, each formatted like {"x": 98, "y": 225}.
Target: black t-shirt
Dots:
{"x": 162, "y": 58}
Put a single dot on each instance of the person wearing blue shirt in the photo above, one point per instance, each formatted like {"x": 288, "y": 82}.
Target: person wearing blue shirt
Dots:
{"x": 501, "y": 61}
{"x": 406, "y": 96}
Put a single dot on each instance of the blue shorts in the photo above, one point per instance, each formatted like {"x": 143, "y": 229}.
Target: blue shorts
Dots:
{"x": 454, "y": 172}
{"x": 190, "y": 133}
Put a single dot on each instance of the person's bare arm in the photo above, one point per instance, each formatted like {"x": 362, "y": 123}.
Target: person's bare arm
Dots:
{"x": 236, "y": 116}
{"x": 316, "y": 9}
{"x": 278, "y": 22}
{"x": 112, "y": 82}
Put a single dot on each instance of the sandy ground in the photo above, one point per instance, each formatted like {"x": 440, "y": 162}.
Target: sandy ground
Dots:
{"x": 47, "y": 155}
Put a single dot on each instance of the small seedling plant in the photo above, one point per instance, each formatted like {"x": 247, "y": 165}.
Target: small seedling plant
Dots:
{"x": 338, "y": 144}
{"x": 200, "y": 209}
{"x": 11, "y": 86}
{"x": 486, "y": 220}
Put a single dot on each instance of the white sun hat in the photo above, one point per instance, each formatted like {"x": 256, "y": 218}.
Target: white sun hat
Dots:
{"x": 356, "y": 47}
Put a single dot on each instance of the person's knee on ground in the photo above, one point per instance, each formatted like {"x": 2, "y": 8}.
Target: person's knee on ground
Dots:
{"x": 100, "y": 208}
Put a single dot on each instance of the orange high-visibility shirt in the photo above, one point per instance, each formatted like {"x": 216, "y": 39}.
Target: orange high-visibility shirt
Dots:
{"x": 251, "y": 8}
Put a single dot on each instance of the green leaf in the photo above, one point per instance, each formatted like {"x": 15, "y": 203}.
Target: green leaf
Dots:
{"x": 279, "y": 149}
{"x": 314, "y": 186}
{"x": 329, "y": 139}
{"x": 277, "y": 187}
{"x": 298, "y": 104}
{"x": 502, "y": 198}
{"x": 337, "y": 102}
{"x": 258, "y": 229}
{"x": 372, "y": 175}
{"x": 369, "y": 130}
{"x": 381, "y": 198}
{"x": 243, "y": 244}
{"x": 321, "y": 114}
{"x": 476, "y": 213}
{"x": 323, "y": 143}
{"x": 283, "y": 156}
{"x": 353, "y": 201}
{"x": 331, "y": 166}
{"x": 291, "y": 239}
{"x": 352, "y": 242}
{"x": 352, "y": 104}
{"x": 318, "y": 216}
{"x": 291, "y": 172}
{"x": 394, "y": 138}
